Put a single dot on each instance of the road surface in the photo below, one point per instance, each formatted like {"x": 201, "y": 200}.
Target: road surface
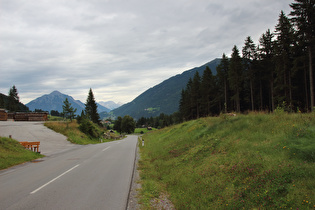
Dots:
{"x": 86, "y": 177}
{"x": 51, "y": 143}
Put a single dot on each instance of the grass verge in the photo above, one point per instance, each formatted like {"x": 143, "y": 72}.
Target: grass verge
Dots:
{"x": 243, "y": 162}
{"x": 143, "y": 130}
{"x": 13, "y": 153}
{"x": 72, "y": 131}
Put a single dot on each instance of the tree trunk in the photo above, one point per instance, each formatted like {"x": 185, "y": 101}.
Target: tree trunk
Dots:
{"x": 261, "y": 97}
{"x": 271, "y": 97}
{"x": 305, "y": 87}
{"x": 225, "y": 96}
{"x": 251, "y": 94}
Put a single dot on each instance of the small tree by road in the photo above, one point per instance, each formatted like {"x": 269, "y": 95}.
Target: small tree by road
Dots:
{"x": 91, "y": 108}
{"x": 128, "y": 125}
{"x": 125, "y": 124}
{"x": 117, "y": 125}
{"x": 67, "y": 110}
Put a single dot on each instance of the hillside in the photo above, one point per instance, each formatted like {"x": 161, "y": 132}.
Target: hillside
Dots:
{"x": 255, "y": 161}
{"x": 54, "y": 101}
{"x": 164, "y": 97}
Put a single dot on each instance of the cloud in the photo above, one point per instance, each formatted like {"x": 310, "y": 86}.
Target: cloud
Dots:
{"x": 119, "y": 48}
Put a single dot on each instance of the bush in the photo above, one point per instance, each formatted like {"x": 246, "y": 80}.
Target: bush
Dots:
{"x": 89, "y": 128}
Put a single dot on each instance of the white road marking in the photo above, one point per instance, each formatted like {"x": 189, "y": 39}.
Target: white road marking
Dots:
{"x": 106, "y": 148}
{"x": 54, "y": 179}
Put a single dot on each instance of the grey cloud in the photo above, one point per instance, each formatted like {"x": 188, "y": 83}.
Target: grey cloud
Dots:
{"x": 120, "y": 48}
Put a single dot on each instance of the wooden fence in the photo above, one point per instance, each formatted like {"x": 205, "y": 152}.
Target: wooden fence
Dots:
{"x": 24, "y": 116}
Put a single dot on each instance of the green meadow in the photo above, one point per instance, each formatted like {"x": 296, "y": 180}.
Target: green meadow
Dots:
{"x": 254, "y": 161}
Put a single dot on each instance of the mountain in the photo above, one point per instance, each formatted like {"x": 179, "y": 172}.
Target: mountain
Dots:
{"x": 54, "y": 101}
{"x": 164, "y": 97}
{"x": 110, "y": 104}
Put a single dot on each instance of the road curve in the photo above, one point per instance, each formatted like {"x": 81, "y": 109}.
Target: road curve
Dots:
{"x": 88, "y": 177}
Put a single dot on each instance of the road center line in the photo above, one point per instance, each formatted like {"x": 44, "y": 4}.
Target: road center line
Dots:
{"x": 106, "y": 148}
{"x": 54, "y": 179}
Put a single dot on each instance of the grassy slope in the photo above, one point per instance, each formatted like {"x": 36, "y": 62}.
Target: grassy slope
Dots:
{"x": 250, "y": 161}
{"x": 12, "y": 153}
{"x": 72, "y": 131}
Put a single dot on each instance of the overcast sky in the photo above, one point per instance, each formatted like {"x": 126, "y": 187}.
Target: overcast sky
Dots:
{"x": 119, "y": 48}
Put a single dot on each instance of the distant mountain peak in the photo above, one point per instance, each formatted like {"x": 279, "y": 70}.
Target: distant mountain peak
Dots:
{"x": 54, "y": 101}
{"x": 56, "y": 92}
{"x": 110, "y": 104}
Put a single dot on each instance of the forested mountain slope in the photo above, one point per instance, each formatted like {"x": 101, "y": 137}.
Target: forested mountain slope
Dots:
{"x": 164, "y": 97}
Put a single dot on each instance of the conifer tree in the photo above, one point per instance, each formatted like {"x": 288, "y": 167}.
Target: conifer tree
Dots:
{"x": 236, "y": 76}
{"x": 91, "y": 108}
{"x": 222, "y": 75}
{"x": 13, "y": 99}
{"x": 67, "y": 110}
{"x": 207, "y": 89}
{"x": 195, "y": 96}
{"x": 304, "y": 19}
{"x": 283, "y": 57}
{"x": 266, "y": 51}
{"x": 249, "y": 55}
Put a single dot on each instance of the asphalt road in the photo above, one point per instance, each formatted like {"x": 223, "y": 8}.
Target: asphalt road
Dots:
{"x": 86, "y": 177}
{"x": 51, "y": 143}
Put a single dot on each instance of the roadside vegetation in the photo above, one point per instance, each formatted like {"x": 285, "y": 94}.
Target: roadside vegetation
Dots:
{"x": 232, "y": 162}
{"x": 13, "y": 153}
{"x": 85, "y": 133}
{"x": 143, "y": 130}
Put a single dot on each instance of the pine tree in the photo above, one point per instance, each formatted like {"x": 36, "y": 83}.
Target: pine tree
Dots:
{"x": 304, "y": 19}
{"x": 222, "y": 75}
{"x": 195, "y": 96}
{"x": 207, "y": 88}
{"x": 283, "y": 55}
{"x": 13, "y": 99}
{"x": 67, "y": 110}
{"x": 236, "y": 76}
{"x": 249, "y": 55}
{"x": 266, "y": 51}
{"x": 91, "y": 108}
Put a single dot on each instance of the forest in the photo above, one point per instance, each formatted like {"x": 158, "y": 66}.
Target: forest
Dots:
{"x": 275, "y": 72}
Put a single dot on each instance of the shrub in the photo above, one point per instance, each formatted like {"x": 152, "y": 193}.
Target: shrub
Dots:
{"x": 89, "y": 128}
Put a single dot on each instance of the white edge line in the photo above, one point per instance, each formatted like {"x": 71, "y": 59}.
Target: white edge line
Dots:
{"x": 54, "y": 179}
{"x": 106, "y": 148}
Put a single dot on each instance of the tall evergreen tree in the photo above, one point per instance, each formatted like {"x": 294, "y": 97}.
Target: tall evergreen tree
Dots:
{"x": 236, "y": 76}
{"x": 195, "y": 96}
{"x": 267, "y": 54}
{"x": 249, "y": 55}
{"x": 207, "y": 89}
{"x": 304, "y": 19}
{"x": 13, "y": 99}
{"x": 283, "y": 58}
{"x": 222, "y": 75}
{"x": 91, "y": 108}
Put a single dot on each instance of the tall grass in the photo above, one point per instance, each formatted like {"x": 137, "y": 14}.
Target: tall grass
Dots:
{"x": 248, "y": 161}
{"x": 13, "y": 153}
